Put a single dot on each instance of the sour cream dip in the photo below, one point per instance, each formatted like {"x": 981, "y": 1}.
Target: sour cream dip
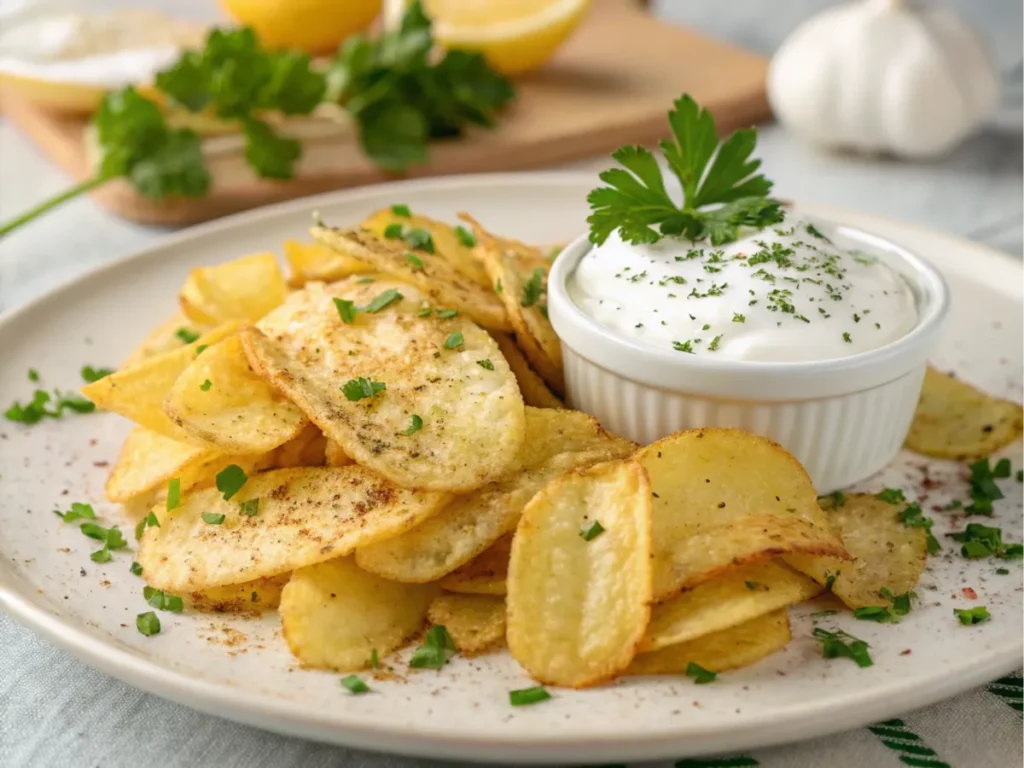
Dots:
{"x": 783, "y": 294}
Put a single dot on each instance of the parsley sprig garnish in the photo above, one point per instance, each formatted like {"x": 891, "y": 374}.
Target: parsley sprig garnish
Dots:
{"x": 721, "y": 191}
{"x": 840, "y": 645}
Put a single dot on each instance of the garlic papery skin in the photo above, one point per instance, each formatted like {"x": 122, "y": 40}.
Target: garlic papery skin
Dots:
{"x": 884, "y": 76}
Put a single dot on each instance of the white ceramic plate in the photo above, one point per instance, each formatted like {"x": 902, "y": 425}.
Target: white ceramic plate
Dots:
{"x": 240, "y": 668}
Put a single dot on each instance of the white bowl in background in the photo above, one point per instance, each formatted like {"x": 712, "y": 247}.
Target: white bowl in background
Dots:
{"x": 844, "y": 419}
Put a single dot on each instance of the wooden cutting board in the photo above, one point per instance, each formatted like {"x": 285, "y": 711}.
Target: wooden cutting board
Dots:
{"x": 611, "y": 84}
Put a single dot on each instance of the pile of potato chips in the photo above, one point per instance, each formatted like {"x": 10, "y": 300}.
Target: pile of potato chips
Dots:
{"x": 391, "y": 416}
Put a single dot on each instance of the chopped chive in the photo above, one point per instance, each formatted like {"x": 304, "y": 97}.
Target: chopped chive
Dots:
{"x": 414, "y": 260}
{"x": 249, "y": 508}
{"x": 230, "y": 481}
{"x": 526, "y": 696}
{"x": 454, "y": 340}
{"x": 401, "y": 210}
{"x": 346, "y": 310}
{"x": 147, "y": 623}
{"x": 447, "y": 314}
{"x": 415, "y": 425}
{"x": 591, "y": 531}
{"x": 971, "y": 616}
{"x": 700, "y": 675}
{"x": 186, "y": 334}
{"x": 466, "y": 237}
{"x": 212, "y": 518}
{"x": 383, "y": 300}
{"x": 205, "y": 386}
{"x": 354, "y": 684}
{"x": 393, "y": 231}
{"x": 486, "y": 364}
{"x": 436, "y": 649}
{"x": 358, "y": 389}
{"x": 173, "y": 494}
{"x": 136, "y": 568}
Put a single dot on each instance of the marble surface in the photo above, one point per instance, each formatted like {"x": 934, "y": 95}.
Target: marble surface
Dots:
{"x": 975, "y": 192}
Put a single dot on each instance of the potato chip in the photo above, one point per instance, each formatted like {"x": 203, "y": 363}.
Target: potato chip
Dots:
{"x": 886, "y": 553}
{"x": 249, "y": 597}
{"x": 739, "y": 595}
{"x": 163, "y": 338}
{"x": 401, "y": 394}
{"x": 148, "y": 460}
{"x": 219, "y": 400}
{"x": 954, "y": 420}
{"x": 556, "y": 442}
{"x": 579, "y": 581}
{"x": 535, "y": 391}
{"x": 528, "y": 257}
{"x": 304, "y": 516}
{"x": 442, "y": 286}
{"x": 475, "y": 623}
{"x": 310, "y": 262}
{"x": 307, "y": 449}
{"x": 138, "y": 393}
{"x": 242, "y": 289}
{"x": 524, "y": 294}
{"x": 738, "y": 646}
{"x": 484, "y": 574}
{"x": 445, "y": 242}
{"x": 724, "y": 497}
{"x": 334, "y": 615}
{"x": 335, "y": 456}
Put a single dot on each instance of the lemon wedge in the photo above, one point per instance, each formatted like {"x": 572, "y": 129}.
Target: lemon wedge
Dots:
{"x": 314, "y": 26}
{"x": 515, "y": 36}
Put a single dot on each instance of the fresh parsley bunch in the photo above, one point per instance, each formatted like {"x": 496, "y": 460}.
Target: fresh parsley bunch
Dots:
{"x": 721, "y": 191}
{"x": 400, "y": 97}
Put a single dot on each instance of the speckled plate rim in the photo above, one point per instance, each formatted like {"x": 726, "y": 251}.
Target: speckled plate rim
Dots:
{"x": 988, "y": 268}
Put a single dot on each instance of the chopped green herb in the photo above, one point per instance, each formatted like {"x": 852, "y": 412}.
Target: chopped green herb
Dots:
{"x": 230, "y": 480}
{"x": 187, "y": 335}
{"x": 823, "y": 614}
{"x": 447, "y": 314}
{"x": 454, "y": 340}
{"x": 101, "y": 556}
{"x": 526, "y": 696}
{"x": 354, "y": 684}
{"x": 421, "y": 239}
{"x": 35, "y": 410}
{"x": 591, "y": 531}
{"x": 90, "y": 374}
{"x": 147, "y": 623}
{"x": 346, "y": 310}
{"x": 249, "y": 508}
{"x": 78, "y": 511}
{"x": 149, "y": 521}
{"x": 877, "y": 613}
{"x": 700, "y": 675}
{"x": 891, "y": 496}
{"x": 836, "y": 498}
{"x": 136, "y": 568}
{"x": 205, "y": 386}
{"x": 981, "y": 541}
{"x": 911, "y": 517}
{"x": 839, "y": 644}
{"x": 497, "y": 287}
{"x": 201, "y": 348}
{"x": 901, "y": 604}
{"x": 425, "y": 311}
{"x": 401, "y": 210}
{"x": 364, "y": 280}
{"x": 465, "y": 236}
{"x": 393, "y": 231}
{"x": 846, "y": 337}
{"x": 388, "y": 297}
{"x": 212, "y": 518}
{"x": 1002, "y": 571}
{"x": 173, "y": 493}
{"x": 813, "y": 231}
{"x": 713, "y": 346}
{"x": 683, "y": 346}
{"x": 971, "y": 616}
{"x": 161, "y": 601}
{"x": 1002, "y": 469}
{"x": 533, "y": 288}
{"x": 738, "y": 318}
{"x": 486, "y": 364}
{"x": 33, "y": 375}
{"x": 358, "y": 389}
{"x": 830, "y": 580}
{"x": 436, "y": 649}
{"x": 374, "y": 659}
{"x": 415, "y": 425}
{"x": 414, "y": 260}
{"x": 984, "y": 490}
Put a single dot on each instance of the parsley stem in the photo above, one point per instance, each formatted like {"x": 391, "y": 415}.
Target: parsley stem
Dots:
{"x": 53, "y": 202}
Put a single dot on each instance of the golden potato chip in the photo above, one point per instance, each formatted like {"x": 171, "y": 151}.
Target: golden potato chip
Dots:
{"x": 335, "y": 456}
{"x": 484, "y": 574}
{"x": 579, "y": 580}
{"x": 164, "y": 338}
{"x": 303, "y": 516}
{"x": 445, "y": 242}
{"x": 402, "y": 394}
{"x": 556, "y": 442}
{"x": 475, "y": 623}
{"x": 954, "y": 420}
{"x": 886, "y": 553}
{"x": 334, "y": 615}
{"x": 535, "y": 391}
{"x": 307, "y": 449}
{"x": 138, "y": 393}
{"x": 219, "y": 400}
{"x": 724, "y": 497}
{"x": 739, "y": 595}
{"x": 528, "y": 257}
{"x": 442, "y": 286}
{"x": 242, "y": 289}
{"x": 524, "y": 294}
{"x": 309, "y": 262}
{"x": 248, "y": 597}
{"x": 148, "y": 460}
{"x": 738, "y": 646}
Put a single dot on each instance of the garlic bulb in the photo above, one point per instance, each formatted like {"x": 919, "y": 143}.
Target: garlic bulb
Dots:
{"x": 883, "y": 76}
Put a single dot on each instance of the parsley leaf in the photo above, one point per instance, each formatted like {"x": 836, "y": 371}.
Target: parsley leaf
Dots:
{"x": 711, "y": 173}
{"x": 382, "y": 300}
{"x": 454, "y": 340}
{"x": 78, "y": 511}
{"x": 436, "y": 649}
{"x": 700, "y": 675}
{"x": 415, "y": 425}
{"x": 533, "y": 288}
{"x": 891, "y": 496}
{"x": 230, "y": 481}
{"x": 839, "y": 644}
{"x": 465, "y": 237}
{"x": 485, "y": 364}
{"x": 357, "y": 389}
{"x": 37, "y": 408}
{"x": 147, "y": 623}
{"x": 980, "y": 541}
{"x": 911, "y": 517}
{"x": 90, "y": 374}
{"x": 970, "y": 616}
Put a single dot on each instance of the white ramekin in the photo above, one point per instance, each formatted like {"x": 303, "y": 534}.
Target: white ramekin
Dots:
{"x": 843, "y": 419}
